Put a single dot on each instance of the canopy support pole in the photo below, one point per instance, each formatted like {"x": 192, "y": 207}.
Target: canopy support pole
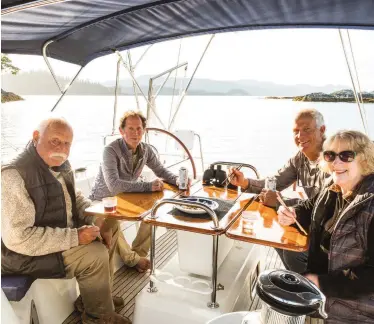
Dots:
{"x": 138, "y": 86}
{"x": 189, "y": 83}
{"x": 141, "y": 57}
{"x": 49, "y": 64}
{"x": 116, "y": 96}
{"x": 67, "y": 88}
{"x": 63, "y": 91}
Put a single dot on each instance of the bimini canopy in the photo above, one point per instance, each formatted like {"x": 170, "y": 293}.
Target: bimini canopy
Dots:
{"x": 82, "y": 30}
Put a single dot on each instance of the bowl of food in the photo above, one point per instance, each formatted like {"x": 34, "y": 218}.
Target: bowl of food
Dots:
{"x": 213, "y": 205}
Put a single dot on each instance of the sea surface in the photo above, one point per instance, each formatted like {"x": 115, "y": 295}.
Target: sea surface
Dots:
{"x": 240, "y": 129}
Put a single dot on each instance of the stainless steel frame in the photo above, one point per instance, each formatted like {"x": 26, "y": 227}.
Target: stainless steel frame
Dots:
{"x": 201, "y": 151}
{"x": 152, "y": 288}
{"x": 138, "y": 86}
{"x": 245, "y": 165}
{"x": 63, "y": 91}
{"x": 152, "y": 97}
{"x": 189, "y": 83}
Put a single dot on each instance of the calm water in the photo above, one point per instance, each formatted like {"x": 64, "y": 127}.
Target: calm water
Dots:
{"x": 245, "y": 129}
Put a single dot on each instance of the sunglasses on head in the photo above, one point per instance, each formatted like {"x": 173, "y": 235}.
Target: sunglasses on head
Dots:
{"x": 344, "y": 156}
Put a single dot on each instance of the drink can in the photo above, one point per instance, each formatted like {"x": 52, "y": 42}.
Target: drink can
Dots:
{"x": 271, "y": 183}
{"x": 183, "y": 178}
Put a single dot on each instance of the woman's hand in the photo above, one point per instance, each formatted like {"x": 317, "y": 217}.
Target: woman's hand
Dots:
{"x": 286, "y": 217}
{"x": 238, "y": 179}
{"x": 313, "y": 278}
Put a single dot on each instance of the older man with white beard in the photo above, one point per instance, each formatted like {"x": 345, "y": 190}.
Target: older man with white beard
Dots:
{"x": 44, "y": 231}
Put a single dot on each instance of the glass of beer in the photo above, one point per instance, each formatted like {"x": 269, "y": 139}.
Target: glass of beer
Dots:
{"x": 249, "y": 219}
{"x": 110, "y": 204}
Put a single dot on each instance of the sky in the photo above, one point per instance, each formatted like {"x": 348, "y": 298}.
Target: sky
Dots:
{"x": 289, "y": 56}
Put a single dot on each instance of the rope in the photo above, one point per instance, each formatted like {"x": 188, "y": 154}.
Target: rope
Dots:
{"x": 353, "y": 84}
{"x": 175, "y": 82}
{"x": 356, "y": 71}
{"x": 17, "y": 149}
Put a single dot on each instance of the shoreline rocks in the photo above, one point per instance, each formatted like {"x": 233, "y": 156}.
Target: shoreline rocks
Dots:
{"x": 9, "y": 96}
{"x": 346, "y": 95}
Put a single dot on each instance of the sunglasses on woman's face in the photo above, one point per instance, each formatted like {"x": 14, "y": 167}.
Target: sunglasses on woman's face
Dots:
{"x": 344, "y": 156}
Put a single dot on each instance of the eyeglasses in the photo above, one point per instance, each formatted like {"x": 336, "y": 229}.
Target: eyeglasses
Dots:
{"x": 344, "y": 156}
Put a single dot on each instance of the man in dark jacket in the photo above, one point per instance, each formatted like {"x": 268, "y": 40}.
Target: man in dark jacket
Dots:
{"x": 44, "y": 231}
{"x": 309, "y": 134}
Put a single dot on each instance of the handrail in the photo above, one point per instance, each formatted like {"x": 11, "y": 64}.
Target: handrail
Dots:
{"x": 209, "y": 211}
{"x": 238, "y": 163}
{"x": 181, "y": 144}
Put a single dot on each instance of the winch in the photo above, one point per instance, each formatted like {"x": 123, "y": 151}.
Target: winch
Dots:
{"x": 287, "y": 298}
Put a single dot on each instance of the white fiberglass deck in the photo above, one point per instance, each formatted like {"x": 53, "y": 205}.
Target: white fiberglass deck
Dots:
{"x": 128, "y": 282}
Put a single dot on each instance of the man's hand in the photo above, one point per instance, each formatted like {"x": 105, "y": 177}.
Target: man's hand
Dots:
{"x": 238, "y": 178}
{"x": 313, "y": 278}
{"x": 157, "y": 185}
{"x": 86, "y": 234}
{"x": 268, "y": 197}
{"x": 99, "y": 222}
{"x": 286, "y": 217}
{"x": 106, "y": 234}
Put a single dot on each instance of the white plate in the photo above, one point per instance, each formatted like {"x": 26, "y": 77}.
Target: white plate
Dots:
{"x": 207, "y": 202}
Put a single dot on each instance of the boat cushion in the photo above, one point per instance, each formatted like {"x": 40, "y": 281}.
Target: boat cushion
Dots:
{"x": 16, "y": 287}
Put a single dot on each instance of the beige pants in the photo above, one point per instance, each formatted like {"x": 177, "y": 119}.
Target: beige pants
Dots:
{"x": 140, "y": 246}
{"x": 92, "y": 265}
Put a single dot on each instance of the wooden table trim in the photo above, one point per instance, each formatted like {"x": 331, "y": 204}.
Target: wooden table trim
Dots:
{"x": 232, "y": 233}
{"x": 266, "y": 243}
{"x": 90, "y": 211}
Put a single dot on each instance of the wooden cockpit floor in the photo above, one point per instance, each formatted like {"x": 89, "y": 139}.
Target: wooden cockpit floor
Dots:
{"x": 128, "y": 282}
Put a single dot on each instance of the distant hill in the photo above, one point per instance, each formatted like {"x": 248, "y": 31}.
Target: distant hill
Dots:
{"x": 42, "y": 83}
{"x": 240, "y": 87}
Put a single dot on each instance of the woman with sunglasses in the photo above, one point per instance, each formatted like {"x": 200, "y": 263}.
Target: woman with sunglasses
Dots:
{"x": 341, "y": 229}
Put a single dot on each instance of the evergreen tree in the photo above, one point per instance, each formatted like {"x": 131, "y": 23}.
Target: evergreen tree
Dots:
{"x": 7, "y": 66}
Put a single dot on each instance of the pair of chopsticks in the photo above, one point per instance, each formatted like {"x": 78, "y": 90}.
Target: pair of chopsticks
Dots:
{"x": 285, "y": 206}
{"x": 231, "y": 176}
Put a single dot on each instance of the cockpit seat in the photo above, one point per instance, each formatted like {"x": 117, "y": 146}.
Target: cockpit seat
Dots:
{"x": 16, "y": 287}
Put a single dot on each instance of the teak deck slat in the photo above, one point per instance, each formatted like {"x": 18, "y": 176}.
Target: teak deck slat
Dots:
{"x": 127, "y": 282}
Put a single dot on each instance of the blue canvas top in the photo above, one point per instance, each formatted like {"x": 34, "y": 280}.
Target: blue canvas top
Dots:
{"x": 83, "y": 30}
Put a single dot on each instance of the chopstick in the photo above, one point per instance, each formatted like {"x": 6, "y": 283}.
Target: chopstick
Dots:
{"x": 230, "y": 176}
{"x": 285, "y": 206}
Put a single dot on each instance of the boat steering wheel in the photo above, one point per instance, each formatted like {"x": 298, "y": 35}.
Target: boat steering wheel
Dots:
{"x": 153, "y": 129}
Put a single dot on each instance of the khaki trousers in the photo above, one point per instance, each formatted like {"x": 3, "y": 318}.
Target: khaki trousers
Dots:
{"x": 140, "y": 246}
{"x": 92, "y": 265}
